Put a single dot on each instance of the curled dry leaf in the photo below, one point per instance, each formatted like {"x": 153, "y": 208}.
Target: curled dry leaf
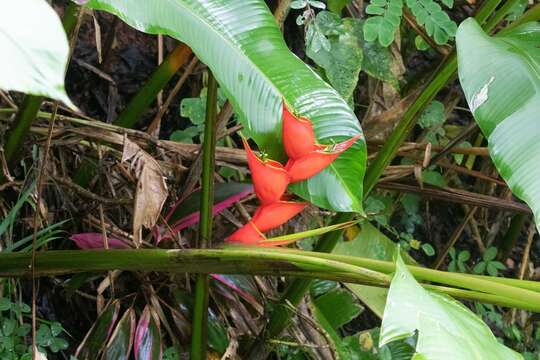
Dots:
{"x": 151, "y": 188}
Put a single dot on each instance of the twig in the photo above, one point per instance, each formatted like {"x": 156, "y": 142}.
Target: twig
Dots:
{"x": 82, "y": 191}
{"x": 458, "y": 196}
{"x": 455, "y": 236}
{"x": 40, "y": 178}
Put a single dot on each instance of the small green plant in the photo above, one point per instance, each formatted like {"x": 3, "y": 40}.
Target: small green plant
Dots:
{"x": 488, "y": 264}
{"x": 386, "y": 18}
{"x": 458, "y": 260}
{"x": 385, "y": 22}
{"x": 14, "y": 333}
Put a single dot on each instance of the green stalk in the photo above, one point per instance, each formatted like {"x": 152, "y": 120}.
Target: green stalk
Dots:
{"x": 157, "y": 81}
{"x": 277, "y": 262}
{"x": 200, "y": 310}
{"x": 30, "y": 106}
{"x": 295, "y": 291}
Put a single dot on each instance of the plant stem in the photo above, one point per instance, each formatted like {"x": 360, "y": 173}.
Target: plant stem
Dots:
{"x": 270, "y": 261}
{"x": 200, "y": 310}
{"x": 157, "y": 81}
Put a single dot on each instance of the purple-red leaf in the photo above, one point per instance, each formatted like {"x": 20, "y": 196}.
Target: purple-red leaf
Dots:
{"x": 225, "y": 194}
{"x": 95, "y": 241}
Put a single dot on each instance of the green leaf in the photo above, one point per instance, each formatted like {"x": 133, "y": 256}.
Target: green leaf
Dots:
{"x": 257, "y": 71}
{"x": 504, "y": 96}
{"x": 336, "y": 6}
{"x": 428, "y": 249}
{"x": 490, "y": 253}
{"x": 433, "y": 115}
{"x": 119, "y": 345}
{"x": 98, "y": 334}
{"x": 8, "y": 326}
{"x": 185, "y": 136}
{"x": 343, "y": 61}
{"x": 448, "y": 3}
{"x": 298, "y": 4}
{"x": 5, "y": 304}
{"x": 217, "y": 335}
{"x": 447, "y": 330}
{"x": 33, "y": 60}
{"x": 434, "y": 178}
{"x": 480, "y": 268}
{"x": 338, "y": 299}
{"x": 385, "y": 23}
{"x": 371, "y": 243}
{"x": 435, "y": 21}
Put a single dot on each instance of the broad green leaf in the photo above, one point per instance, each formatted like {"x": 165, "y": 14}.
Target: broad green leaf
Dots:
{"x": 504, "y": 97}
{"x": 338, "y": 299}
{"x": 349, "y": 53}
{"x": 241, "y": 43}
{"x": 35, "y": 49}
{"x": 371, "y": 243}
{"x": 343, "y": 61}
{"x": 447, "y": 330}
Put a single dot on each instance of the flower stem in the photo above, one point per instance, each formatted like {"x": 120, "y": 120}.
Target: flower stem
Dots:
{"x": 200, "y": 310}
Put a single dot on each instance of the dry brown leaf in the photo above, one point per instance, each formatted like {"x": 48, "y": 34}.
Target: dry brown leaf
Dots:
{"x": 151, "y": 188}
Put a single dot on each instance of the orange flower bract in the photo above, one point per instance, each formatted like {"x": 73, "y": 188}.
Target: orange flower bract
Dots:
{"x": 271, "y": 216}
{"x": 298, "y": 135}
{"x": 270, "y": 179}
{"x": 247, "y": 234}
{"x": 311, "y": 164}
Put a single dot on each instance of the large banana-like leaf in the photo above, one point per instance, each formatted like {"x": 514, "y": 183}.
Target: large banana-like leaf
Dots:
{"x": 241, "y": 43}
{"x": 501, "y": 79}
{"x": 447, "y": 330}
{"x": 35, "y": 49}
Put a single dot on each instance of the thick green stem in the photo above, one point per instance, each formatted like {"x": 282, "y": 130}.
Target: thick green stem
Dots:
{"x": 278, "y": 262}
{"x": 30, "y": 106}
{"x": 200, "y": 310}
{"x": 147, "y": 94}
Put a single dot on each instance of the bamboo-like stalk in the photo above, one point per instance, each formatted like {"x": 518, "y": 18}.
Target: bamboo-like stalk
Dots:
{"x": 294, "y": 292}
{"x": 273, "y": 261}
{"x": 200, "y": 310}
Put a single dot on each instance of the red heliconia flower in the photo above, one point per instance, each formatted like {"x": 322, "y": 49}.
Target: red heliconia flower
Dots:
{"x": 298, "y": 135}
{"x": 271, "y": 216}
{"x": 247, "y": 234}
{"x": 311, "y": 164}
{"x": 270, "y": 179}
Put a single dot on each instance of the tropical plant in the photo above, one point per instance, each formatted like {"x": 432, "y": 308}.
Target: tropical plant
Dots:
{"x": 310, "y": 144}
